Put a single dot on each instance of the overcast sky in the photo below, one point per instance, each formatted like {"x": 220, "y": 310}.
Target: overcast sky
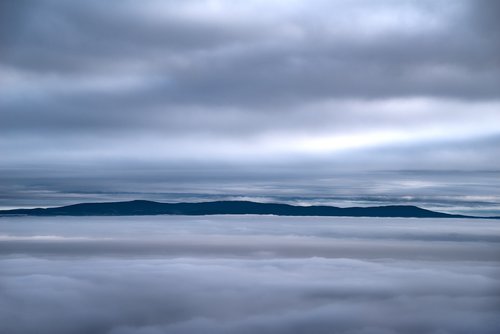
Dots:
{"x": 336, "y": 101}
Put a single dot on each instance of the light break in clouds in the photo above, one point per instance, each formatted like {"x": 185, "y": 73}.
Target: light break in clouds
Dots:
{"x": 162, "y": 99}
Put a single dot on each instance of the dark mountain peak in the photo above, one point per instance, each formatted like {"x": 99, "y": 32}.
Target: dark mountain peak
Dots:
{"x": 140, "y": 201}
{"x": 145, "y": 207}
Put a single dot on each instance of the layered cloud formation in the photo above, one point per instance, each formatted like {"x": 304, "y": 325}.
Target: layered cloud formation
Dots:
{"x": 201, "y": 96}
{"x": 268, "y": 296}
{"x": 248, "y": 274}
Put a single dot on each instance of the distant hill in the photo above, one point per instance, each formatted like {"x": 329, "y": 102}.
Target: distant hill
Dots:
{"x": 139, "y": 207}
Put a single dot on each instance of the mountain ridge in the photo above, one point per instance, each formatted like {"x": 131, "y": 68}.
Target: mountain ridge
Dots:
{"x": 145, "y": 207}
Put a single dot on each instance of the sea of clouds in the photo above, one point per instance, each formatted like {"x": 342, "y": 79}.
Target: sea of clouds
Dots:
{"x": 248, "y": 274}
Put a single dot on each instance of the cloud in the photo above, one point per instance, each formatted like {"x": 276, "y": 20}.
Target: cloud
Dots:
{"x": 242, "y": 274}
{"x": 256, "y": 88}
{"x": 224, "y": 296}
{"x": 294, "y": 52}
{"x": 313, "y": 183}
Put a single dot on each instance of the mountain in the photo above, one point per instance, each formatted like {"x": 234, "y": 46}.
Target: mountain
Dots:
{"x": 140, "y": 207}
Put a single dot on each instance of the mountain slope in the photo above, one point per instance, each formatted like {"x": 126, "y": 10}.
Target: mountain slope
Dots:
{"x": 139, "y": 207}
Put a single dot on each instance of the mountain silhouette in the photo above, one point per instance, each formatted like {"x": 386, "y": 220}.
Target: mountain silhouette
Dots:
{"x": 141, "y": 207}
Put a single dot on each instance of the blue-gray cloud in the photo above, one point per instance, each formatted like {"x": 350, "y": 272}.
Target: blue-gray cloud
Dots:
{"x": 245, "y": 274}
{"x": 201, "y": 91}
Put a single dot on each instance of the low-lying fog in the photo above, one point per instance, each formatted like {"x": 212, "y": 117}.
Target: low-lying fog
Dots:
{"x": 248, "y": 274}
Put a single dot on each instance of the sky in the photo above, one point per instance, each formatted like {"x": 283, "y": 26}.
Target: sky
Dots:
{"x": 248, "y": 274}
{"x": 334, "y": 102}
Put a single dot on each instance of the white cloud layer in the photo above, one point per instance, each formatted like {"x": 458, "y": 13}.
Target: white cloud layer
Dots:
{"x": 248, "y": 274}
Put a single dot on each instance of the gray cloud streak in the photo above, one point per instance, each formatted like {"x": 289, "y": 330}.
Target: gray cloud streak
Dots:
{"x": 246, "y": 90}
{"x": 246, "y": 274}
{"x": 177, "y": 296}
